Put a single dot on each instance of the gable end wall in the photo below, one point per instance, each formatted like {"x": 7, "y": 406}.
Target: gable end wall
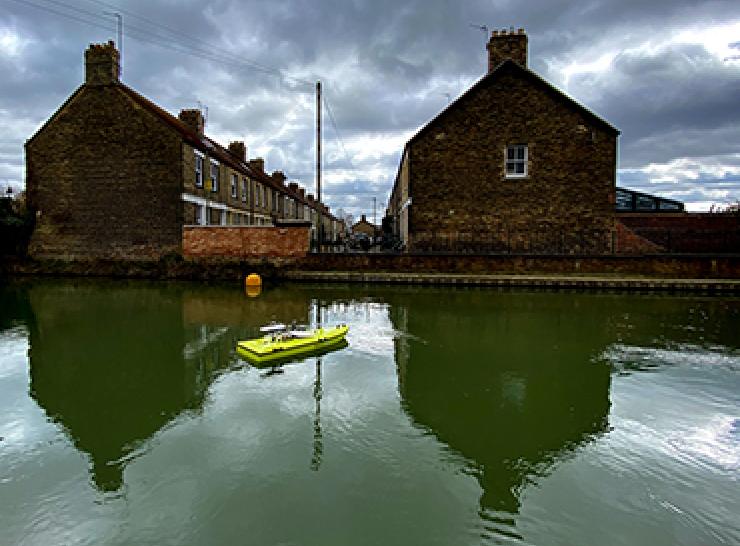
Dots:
{"x": 105, "y": 177}
{"x": 460, "y": 191}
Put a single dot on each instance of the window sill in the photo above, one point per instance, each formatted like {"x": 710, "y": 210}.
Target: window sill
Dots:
{"x": 508, "y": 177}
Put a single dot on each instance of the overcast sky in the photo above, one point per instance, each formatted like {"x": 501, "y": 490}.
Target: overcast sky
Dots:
{"x": 664, "y": 72}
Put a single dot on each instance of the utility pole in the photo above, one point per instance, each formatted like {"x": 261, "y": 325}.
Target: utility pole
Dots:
{"x": 318, "y": 162}
{"x": 119, "y": 26}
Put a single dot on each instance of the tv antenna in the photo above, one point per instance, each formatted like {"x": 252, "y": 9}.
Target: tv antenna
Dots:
{"x": 483, "y": 28}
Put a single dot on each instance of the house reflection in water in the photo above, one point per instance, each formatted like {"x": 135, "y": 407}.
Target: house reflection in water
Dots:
{"x": 113, "y": 364}
{"x": 511, "y": 383}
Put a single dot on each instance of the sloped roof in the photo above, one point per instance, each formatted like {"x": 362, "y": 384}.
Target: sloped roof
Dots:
{"x": 200, "y": 142}
{"x": 214, "y": 149}
{"x": 506, "y": 67}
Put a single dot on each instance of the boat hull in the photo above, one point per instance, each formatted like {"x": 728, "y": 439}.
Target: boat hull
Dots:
{"x": 269, "y": 352}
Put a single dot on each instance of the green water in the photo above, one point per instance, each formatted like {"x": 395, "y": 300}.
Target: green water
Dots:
{"x": 454, "y": 416}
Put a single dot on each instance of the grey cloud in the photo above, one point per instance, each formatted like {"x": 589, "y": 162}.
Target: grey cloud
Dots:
{"x": 376, "y": 59}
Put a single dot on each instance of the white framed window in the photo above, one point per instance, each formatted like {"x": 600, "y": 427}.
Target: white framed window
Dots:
{"x": 214, "y": 175}
{"x": 222, "y": 215}
{"x": 200, "y": 217}
{"x": 516, "y": 161}
{"x": 234, "y": 182}
{"x": 244, "y": 190}
{"x": 198, "y": 170}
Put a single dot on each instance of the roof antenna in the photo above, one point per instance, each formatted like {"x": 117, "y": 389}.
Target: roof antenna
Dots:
{"x": 119, "y": 28}
{"x": 484, "y": 28}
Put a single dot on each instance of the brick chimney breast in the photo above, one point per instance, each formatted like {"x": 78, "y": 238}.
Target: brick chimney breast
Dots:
{"x": 238, "y": 150}
{"x": 102, "y": 64}
{"x": 507, "y": 44}
{"x": 193, "y": 118}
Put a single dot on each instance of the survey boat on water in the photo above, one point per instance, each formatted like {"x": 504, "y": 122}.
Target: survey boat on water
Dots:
{"x": 281, "y": 344}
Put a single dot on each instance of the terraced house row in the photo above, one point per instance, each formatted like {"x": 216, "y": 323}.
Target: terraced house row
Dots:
{"x": 113, "y": 175}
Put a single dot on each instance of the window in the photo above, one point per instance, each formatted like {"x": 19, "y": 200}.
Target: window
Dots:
{"x": 258, "y": 198}
{"x": 516, "y": 161}
{"x": 234, "y": 180}
{"x": 244, "y": 190}
{"x": 198, "y": 171}
{"x": 199, "y": 216}
{"x": 214, "y": 176}
{"x": 274, "y": 201}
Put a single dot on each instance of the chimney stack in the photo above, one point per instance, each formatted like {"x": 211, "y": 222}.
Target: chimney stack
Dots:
{"x": 302, "y": 193}
{"x": 258, "y": 164}
{"x": 507, "y": 44}
{"x": 238, "y": 150}
{"x": 102, "y": 64}
{"x": 293, "y": 187}
{"x": 279, "y": 177}
{"x": 193, "y": 118}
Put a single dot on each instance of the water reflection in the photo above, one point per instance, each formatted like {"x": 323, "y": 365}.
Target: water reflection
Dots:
{"x": 115, "y": 363}
{"x": 509, "y": 383}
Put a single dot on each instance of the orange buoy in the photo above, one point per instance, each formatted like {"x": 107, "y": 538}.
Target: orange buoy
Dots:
{"x": 253, "y": 280}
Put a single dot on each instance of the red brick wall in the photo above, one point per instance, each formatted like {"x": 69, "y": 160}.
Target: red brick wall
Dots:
{"x": 628, "y": 242}
{"x": 687, "y": 232}
{"x": 245, "y": 241}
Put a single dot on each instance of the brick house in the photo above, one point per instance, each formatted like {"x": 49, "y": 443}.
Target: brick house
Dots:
{"x": 113, "y": 175}
{"x": 363, "y": 226}
{"x": 512, "y": 164}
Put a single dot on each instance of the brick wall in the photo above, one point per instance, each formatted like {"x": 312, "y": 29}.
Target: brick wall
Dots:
{"x": 104, "y": 176}
{"x": 687, "y": 232}
{"x": 457, "y": 168}
{"x": 675, "y": 266}
{"x": 245, "y": 242}
{"x": 628, "y": 242}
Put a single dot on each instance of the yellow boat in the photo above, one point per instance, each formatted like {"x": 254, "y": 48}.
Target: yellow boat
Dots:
{"x": 280, "y": 344}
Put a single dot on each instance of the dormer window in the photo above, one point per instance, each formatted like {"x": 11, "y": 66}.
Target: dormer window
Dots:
{"x": 516, "y": 161}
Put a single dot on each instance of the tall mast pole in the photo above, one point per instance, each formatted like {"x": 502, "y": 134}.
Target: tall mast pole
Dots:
{"x": 119, "y": 28}
{"x": 318, "y": 162}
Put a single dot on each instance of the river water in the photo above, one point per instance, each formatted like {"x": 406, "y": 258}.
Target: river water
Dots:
{"x": 454, "y": 416}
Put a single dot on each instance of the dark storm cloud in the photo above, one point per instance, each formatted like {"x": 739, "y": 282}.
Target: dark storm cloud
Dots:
{"x": 387, "y": 67}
